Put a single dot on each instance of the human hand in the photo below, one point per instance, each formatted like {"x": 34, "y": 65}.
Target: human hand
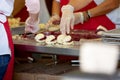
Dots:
{"x": 31, "y": 25}
{"x": 79, "y": 17}
{"x": 67, "y": 19}
{"x": 55, "y": 19}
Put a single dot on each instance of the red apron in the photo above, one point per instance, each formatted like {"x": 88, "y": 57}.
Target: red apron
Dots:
{"x": 94, "y": 22}
{"x": 9, "y": 72}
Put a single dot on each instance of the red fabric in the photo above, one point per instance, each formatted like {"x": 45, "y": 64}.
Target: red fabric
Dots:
{"x": 23, "y": 14}
{"x": 9, "y": 72}
{"x": 94, "y": 22}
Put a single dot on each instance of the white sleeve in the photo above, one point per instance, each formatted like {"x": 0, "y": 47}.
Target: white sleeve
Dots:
{"x": 33, "y": 6}
{"x": 98, "y": 1}
{"x": 58, "y": 0}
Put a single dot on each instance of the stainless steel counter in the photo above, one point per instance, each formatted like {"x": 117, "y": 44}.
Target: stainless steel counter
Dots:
{"x": 33, "y": 46}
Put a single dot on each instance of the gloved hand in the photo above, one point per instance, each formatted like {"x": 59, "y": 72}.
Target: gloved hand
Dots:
{"x": 79, "y": 18}
{"x": 31, "y": 25}
{"x": 53, "y": 20}
{"x": 67, "y": 19}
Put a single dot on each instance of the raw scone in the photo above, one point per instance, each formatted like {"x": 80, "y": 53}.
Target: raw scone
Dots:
{"x": 60, "y": 39}
{"x": 101, "y": 29}
{"x": 64, "y": 40}
{"x": 16, "y": 37}
{"x": 50, "y": 40}
{"x": 67, "y": 40}
{"x": 40, "y": 38}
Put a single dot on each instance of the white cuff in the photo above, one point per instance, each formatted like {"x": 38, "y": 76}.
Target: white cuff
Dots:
{"x": 68, "y": 7}
{"x": 81, "y": 18}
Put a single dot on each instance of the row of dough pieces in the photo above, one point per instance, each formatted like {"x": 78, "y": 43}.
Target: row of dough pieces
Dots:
{"x": 51, "y": 39}
{"x": 62, "y": 39}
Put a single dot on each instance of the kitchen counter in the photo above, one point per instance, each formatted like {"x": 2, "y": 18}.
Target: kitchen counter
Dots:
{"x": 33, "y": 46}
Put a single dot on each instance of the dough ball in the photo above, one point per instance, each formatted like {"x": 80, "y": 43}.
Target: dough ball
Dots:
{"x": 60, "y": 39}
{"x": 50, "y": 39}
{"x": 40, "y": 37}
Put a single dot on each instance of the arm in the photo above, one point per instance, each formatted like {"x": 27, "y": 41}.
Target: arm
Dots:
{"x": 79, "y": 4}
{"x": 33, "y": 7}
{"x": 55, "y": 8}
{"x": 18, "y": 5}
{"x": 104, "y": 8}
{"x": 55, "y": 18}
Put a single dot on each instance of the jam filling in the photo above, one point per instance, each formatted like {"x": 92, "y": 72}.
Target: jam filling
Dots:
{"x": 43, "y": 38}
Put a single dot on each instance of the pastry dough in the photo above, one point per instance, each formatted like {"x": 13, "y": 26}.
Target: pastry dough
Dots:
{"x": 60, "y": 39}
{"x": 65, "y": 40}
{"x": 40, "y": 37}
{"x": 50, "y": 39}
{"x": 101, "y": 29}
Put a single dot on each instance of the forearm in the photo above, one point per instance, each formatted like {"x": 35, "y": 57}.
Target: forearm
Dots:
{"x": 18, "y": 5}
{"x": 104, "y": 8}
{"x": 34, "y": 17}
{"x": 79, "y": 4}
{"x": 55, "y": 8}
{"x": 33, "y": 7}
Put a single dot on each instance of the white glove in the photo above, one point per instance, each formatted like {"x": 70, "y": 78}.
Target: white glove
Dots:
{"x": 31, "y": 25}
{"x": 79, "y": 17}
{"x": 67, "y": 19}
{"x": 53, "y": 20}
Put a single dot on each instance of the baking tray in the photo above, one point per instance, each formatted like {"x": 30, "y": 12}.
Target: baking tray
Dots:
{"x": 112, "y": 36}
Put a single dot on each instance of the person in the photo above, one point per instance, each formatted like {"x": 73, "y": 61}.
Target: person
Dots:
{"x": 90, "y": 14}
{"x": 108, "y": 19}
{"x": 20, "y": 9}
{"x": 55, "y": 14}
{"x": 6, "y": 47}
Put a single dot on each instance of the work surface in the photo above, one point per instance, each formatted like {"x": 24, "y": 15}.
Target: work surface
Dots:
{"x": 33, "y": 46}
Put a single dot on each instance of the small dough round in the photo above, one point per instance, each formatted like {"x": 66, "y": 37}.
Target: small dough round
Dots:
{"x": 67, "y": 40}
{"x": 40, "y": 36}
{"x": 60, "y": 38}
{"x": 50, "y": 39}
{"x": 101, "y": 29}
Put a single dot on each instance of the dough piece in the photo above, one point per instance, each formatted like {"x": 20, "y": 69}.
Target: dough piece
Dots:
{"x": 16, "y": 37}
{"x": 42, "y": 26}
{"x": 54, "y": 28}
{"x": 50, "y": 40}
{"x": 100, "y": 30}
{"x": 40, "y": 38}
{"x": 60, "y": 39}
{"x": 67, "y": 40}
{"x": 14, "y": 22}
